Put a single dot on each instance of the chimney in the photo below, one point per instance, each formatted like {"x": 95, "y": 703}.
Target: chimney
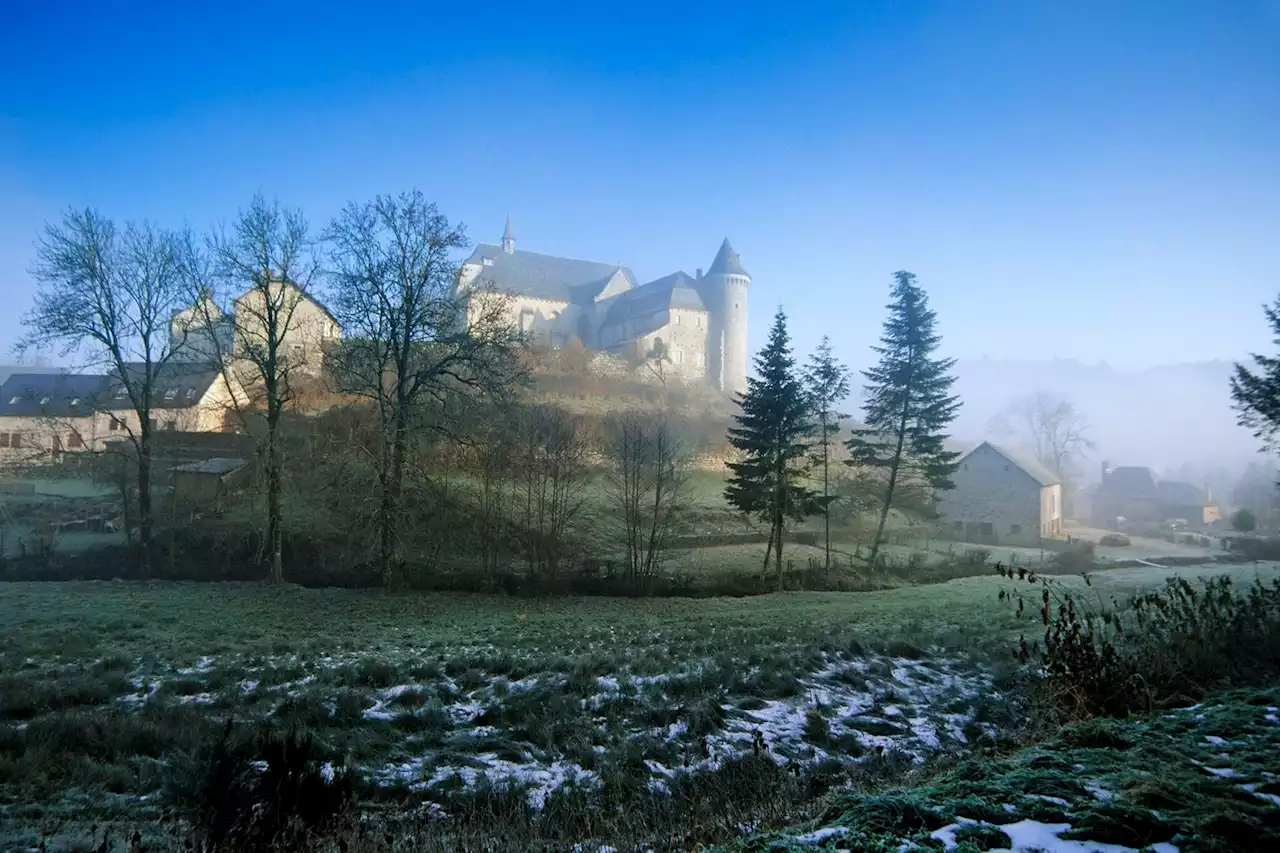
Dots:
{"x": 1106, "y": 468}
{"x": 699, "y": 274}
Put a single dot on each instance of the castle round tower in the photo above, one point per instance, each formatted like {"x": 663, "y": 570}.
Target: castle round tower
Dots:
{"x": 726, "y": 285}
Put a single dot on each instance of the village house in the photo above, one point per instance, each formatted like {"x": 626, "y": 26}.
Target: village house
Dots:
{"x": 202, "y": 332}
{"x": 1002, "y": 497}
{"x": 43, "y": 416}
{"x": 1187, "y": 501}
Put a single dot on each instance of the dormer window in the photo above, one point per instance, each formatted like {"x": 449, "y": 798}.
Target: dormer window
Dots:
{"x": 488, "y": 262}
{"x": 14, "y": 401}
{"x": 170, "y": 393}
{"x": 191, "y": 393}
{"x": 75, "y": 401}
{"x": 121, "y": 392}
{"x": 44, "y": 401}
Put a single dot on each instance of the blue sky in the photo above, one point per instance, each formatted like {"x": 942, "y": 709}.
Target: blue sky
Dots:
{"x": 1087, "y": 179}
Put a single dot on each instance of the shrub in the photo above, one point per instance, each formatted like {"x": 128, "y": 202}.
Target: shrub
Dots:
{"x": 1244, "y": 521}
{"x": 1161, "y": 647}
{"x": 268, "y": 792}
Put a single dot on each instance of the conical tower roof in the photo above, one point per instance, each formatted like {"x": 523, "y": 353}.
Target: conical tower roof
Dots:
{"x": 508, "y": 233}
{"x": 727, "y": 262}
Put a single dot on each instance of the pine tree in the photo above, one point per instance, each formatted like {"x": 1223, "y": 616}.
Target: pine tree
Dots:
{"x": 774, "y": 435}
{"x": 1256, "y": 396}
{"x": 827, "y": 382}
{"x": 907, "y": 403}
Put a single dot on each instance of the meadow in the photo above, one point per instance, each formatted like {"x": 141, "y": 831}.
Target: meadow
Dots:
{"x": 476, "y": 706}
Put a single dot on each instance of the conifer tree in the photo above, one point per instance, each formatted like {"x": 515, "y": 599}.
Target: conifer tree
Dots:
{"x": 907, "y": 403}
{"x": 827, "y": 382}
{"x": 773, "y": 432}
{"x": 1255, "y": 395}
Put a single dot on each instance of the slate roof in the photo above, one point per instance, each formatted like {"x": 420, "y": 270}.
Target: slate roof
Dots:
{"x": 727, "y": 261}
{"x": 7, "y": 370}
{"x": 55, "y": 395}
{"x": 1129, "y": 482}
{"x": 677, "y": 290}
{"x": 543, "y": 276}
{"x": 1026, "y": 463}
{"x": 178, "y": 384}
{"x": 1180, "y": 493}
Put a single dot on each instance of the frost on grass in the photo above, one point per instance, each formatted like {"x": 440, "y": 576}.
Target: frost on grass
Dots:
{"x": 1032, "y": 835}
{"x": 497, "y": 730}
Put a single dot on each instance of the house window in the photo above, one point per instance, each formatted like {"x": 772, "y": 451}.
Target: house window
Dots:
{"x": 170, "y": 393}
{"x": 986, "y": 529}
{"x": 4, "y": 439}
{"x": 1015, "y": 529}
{"x": 74, "y": 441}
{"x": 115, "y": 425}
{"x": 15, "y": 439}
{"x": 191, "y": 393}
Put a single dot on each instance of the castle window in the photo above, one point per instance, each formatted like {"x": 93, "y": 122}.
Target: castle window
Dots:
{"x": 702, "y": 359}
{"x": 677, "y": 319}
{"x": 677, "y": 356}
{"x": 698, "y": 320}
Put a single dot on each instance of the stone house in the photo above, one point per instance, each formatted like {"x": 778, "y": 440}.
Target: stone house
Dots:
{"x": 43, "y": 416}
{"x": 1180, "y": 499}
{"x": 202, "y": 332}
{"x": 1129, "y": 492}
{"x": 700, "y": 320}
{"x": 1002, "y": 497}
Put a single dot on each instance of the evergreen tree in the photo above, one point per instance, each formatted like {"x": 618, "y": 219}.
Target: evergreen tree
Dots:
{"x": 827, "y": 382}
{"x": 908, "y": 404}
{"x": 774, "y": 435}
{"x": 1256, "y": 396}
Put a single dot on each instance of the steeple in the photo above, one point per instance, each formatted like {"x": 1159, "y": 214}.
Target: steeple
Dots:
{"x": 727, "y": 262}
{"x": 508, "y": 237}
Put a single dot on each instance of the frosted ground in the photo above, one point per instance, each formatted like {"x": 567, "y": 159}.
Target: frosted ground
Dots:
{"x": 437, "y": 728}
{"x": 106, "y": 688}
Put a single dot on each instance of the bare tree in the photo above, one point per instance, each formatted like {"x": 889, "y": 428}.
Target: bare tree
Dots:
{"x": 106, "y": 293}
{"x": 1051, "y": 427}
{"x": 648, "y": 487}
{"x": 413, "y": 341}
{"x": 250, "y": 280}
{"x": 551, "y": 470}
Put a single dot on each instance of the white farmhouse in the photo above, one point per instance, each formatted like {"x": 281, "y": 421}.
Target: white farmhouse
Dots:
{"x": 1002, "y": 497}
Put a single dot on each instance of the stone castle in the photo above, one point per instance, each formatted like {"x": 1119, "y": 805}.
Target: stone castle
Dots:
{"x": 700, "y": 321}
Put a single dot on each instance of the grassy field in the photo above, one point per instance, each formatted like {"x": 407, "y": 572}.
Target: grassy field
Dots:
{"x": 1200, "y": 778}
{"x": 105, "y": 688}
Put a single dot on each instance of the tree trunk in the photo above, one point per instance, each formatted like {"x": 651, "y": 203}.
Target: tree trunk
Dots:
{"x": 146, "y": 523}
{"x": 826, "y": 503}
{"x": 391, "y": 499}
{"x": 275, "y": 533}
{"x": 893, "y": 482}
{"x": 768, "y": 552}
{"x": 777, "y": 554}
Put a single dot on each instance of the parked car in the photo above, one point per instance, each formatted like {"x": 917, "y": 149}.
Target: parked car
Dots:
{"x": 1113, "y": 540}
